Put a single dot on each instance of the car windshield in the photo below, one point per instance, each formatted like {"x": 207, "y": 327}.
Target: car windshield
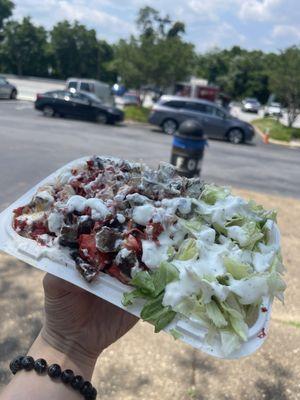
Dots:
{"x": 56, "y": 93}
{"x": 91, "y": 96}
{"x": 251, "y": 101}
{"x": 275, "y": 105}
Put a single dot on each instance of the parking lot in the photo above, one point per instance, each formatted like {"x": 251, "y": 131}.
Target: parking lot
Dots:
{"x": 32, "y": 146}
{"x": 142, "y": 364}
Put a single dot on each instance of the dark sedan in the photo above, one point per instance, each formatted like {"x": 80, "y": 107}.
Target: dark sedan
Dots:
{"x": 77, "y": 104}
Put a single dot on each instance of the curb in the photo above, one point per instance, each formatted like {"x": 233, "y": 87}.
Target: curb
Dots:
{"x": 293, "y": 145}
{"x": 26, "y": 98}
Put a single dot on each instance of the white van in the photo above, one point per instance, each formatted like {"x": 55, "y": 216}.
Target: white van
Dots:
{"x": 100, "y": 89}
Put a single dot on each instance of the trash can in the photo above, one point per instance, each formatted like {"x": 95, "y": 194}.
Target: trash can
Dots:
{"x": 188, "y": 148}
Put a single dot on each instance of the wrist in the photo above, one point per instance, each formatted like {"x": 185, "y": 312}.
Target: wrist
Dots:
{"x": 63, "y": 352}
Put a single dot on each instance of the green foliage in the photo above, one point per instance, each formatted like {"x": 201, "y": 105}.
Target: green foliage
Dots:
{"x": 238, "y": 72}
{"x": 6, "y": 9}
{"x": 285, "y": 81}
{"x": 24, "y": 48}
{"x": 158, "y": 56}
{"x": 77, "y": 52}
{"x": 276, "y": 129}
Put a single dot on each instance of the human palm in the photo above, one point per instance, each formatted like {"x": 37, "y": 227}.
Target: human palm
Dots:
{"x": 79, "y": 323}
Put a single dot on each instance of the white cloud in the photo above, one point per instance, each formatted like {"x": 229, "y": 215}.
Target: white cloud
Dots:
{"x": 259, "y": 10}
{"x": 286, "y": 31}
{"x": 266, "y": 24}
{"x": 91, "y": 13}
{"x": 222, "y": 33}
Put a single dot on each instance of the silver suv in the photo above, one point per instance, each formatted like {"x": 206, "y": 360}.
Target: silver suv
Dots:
{"x": 170, "y": 111}
{"x": 7, "y": 90}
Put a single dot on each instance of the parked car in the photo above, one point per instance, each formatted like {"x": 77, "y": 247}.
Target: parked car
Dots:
{"x": 100, "y": 89}
{"x": 251, "y": 105}
{"x": 170, "y": 111}
{"x": 77, "y": 104}
{"x": 7, "y": 90}
{"x": 273, "y": 110}
{"x": 128, "y": 99}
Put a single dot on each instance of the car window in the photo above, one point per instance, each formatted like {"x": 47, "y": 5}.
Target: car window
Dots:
{"x": 199, "y": 107}
{"x": 86, "y": 87}
{"x": 60, "y": 94}
{"x": 219, "y": 113}
{"x": 92, "y": 97}
{"x": 3, "y": 81}
{"x": 72, "y": 85}
{"x": 174, "y": 104}
{"x": 79, "y": 98}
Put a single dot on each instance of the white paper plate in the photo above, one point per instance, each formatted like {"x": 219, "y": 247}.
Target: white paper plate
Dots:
{"x": 107, "y": 287}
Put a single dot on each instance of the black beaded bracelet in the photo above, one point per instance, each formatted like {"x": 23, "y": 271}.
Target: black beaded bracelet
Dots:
{"x": 54, "y": 371}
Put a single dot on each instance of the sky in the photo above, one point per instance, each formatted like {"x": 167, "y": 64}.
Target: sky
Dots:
{"x": 269, "y": 25}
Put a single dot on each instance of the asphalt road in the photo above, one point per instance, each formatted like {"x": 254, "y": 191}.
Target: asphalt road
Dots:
{"x": 32, "y": 146}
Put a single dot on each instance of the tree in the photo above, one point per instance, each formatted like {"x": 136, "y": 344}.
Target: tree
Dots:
{"x": 24, "y": 48}
{"x": 238, "y": 72}
{"x": 285, "y": 81}
{"x": 158, "y": 56}
{"x": 77, "y": 52}
{"x": 6, "y": 8}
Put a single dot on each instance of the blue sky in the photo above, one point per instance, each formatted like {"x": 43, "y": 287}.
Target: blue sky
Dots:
{"x": 254, "y": 24}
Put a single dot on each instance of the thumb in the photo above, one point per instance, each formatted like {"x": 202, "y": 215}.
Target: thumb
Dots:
{"x": 55, "y": 287}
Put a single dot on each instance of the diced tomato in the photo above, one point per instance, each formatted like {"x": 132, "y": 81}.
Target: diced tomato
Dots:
{"x": 90, "y": 164}
{"x": 132, "y": 243}
{"x": 19, "y": 225}
{"x": 18, "y": 211}
{"x": 157, "y": 229}
{"x": 77, "y": 186}
{"x": 116, "y": 273}
{"x": 89, "y": 252}
{"x": 87, "y": 247}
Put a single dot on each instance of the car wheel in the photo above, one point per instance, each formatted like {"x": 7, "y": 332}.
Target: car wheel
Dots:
{"x": 48, "y": 111}
{"x": 102, "y": 118}
{"x": 169, "y": 126}
{"x": 235, "y": 136}
{"x": 13, "y": 95}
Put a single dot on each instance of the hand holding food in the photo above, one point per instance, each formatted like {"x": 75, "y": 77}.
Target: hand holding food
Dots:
{"x": 191, "y": 252}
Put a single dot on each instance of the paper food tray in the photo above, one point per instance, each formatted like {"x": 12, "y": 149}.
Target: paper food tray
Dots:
{"x": 107, "y": 287}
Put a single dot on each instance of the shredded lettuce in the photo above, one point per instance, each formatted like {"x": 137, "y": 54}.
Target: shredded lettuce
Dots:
{"x": 212, "y": 193}
{"x": 192, "y": 226}
{"x": 215, "y": 314}
{"x": 187, "y": 250}
{"x": 220, "y": 267}
{"x": 150, "y": 285}
{"x": 154, "y": 312}
{"x": 236, "y": 268}
{"x": 246, "y": 235}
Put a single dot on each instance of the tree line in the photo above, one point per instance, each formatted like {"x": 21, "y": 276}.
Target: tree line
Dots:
{"x": 157, "y": 56}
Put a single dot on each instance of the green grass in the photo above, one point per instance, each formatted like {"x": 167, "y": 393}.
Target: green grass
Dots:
{"x": 139, "y": 114}
{"x": 276, "y": 129}
{"x": 295, "y": 324}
